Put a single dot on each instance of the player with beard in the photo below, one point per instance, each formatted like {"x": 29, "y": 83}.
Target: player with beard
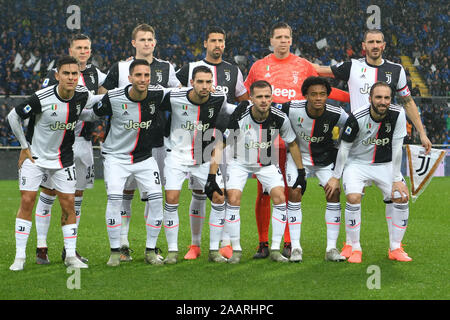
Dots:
{"x": 371, "y": 152}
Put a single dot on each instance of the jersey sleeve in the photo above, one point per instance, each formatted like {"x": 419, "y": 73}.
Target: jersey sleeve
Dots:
{"x": 173, "y": 80}
{"x": 103, "y": 107}
{"x": 250, "y": 77}
{"x": 400, "y": 126}
{"x": 49, "y": 79}
{"x": 285, "y": 107}
{"x": 101, "y": 77}
{"x": 224, "y": 115}
{"x": 351, "y": 129}
{"x": 165, "y": 103}
{"x": 342, "y": 119}
{"x": 402, "y": 84}
{"x": 112, "y": 78}
{"x": 240, "y": 88}
{"x": 286, "y": 131}
{"x": 183, "y": 75}
{"x": 30, "y": 106}
{"x": 341, "y": 70}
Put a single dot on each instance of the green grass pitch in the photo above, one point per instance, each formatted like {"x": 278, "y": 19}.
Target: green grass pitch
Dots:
{"x": 426, "y": 277}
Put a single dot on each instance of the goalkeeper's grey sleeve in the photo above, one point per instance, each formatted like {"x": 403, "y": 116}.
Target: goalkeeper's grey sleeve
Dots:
{"x": 344, "y": 150}
{"x": 397, "y": 159}
{"x": 16, "y": 127}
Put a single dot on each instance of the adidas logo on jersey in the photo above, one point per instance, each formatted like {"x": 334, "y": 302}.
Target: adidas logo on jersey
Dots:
{"x": 54, "y": 114}
{"x": 185, "y": 114}
{"x": 125, "y": 113}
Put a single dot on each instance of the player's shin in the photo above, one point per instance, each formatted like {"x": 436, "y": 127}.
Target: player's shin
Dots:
{"x": 113, "y": 219}
{"x": 233, "y": 226}
{"x": 43, "y": 217}
{"x": 333, "y": 222}
{"x": 279, "y": 219}
{"x": 23, "y": 228}
{"x": 70, "y": 233}
{"x": 353, "y": 224}
{"x": 125, "y": 213}
{"x": 399, "y": 224}
{"x": 171, "y": 225}
{"x": 78, "y": 202}
{"x": 216, "y": 225}
{"x": 154, "y": 218}
{"x": 389, "y": 215}
{"x": 294, "y": 216}
{"x": 197, "y": 213}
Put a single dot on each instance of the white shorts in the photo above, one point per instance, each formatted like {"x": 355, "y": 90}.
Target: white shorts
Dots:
{"x": 237, "y": 175}
{"x": 322, "y": 173}
{"x": 31, "y": 176}
{"x": 356, "y": 176}
{"x": 176, "y": 173}
{"x": 145, "y": 173}
{"x": 84, "y": 163}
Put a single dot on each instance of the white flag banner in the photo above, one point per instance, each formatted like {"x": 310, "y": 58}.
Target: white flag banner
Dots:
{"x": 50, "y": 66}
{"x": 322, "y": 43}
{"x": 422, "y": 167}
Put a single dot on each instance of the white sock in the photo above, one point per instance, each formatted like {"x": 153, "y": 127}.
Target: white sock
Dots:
{"x": 233, "y": 226}
{"x": 154, "y": 218}
{"x": 197, "y": 213}
{"x": 113, "y": 219}
{"x": 78, "y": 201}
{"x": 279, "y": 219}
{"x": 171, "y": 225}
{"x": 23, "y": 228}
{"x": 389, "y": 215}
{"x": 125, "y": 214}
{"x": 353, "y": 224}
{"x": 43, "y": 217}
{"x": 225, "y": 238}
{"x": 294, "y": 214}
{"x": 399, "y": 224}
{"x": 216, "y": 225}
{"x": 70, "y": 232}
{"x": 333, "y": 221}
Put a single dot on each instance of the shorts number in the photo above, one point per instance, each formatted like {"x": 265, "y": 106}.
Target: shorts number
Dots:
{"x": 90, "y": 172}
{"x": 157, "y": 179}
{"x": 69, "y": 175}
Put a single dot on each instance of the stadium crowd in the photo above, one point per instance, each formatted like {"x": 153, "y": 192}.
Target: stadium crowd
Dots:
{"x": 33, "y": 35}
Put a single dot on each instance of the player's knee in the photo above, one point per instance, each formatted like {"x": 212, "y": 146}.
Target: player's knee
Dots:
{"x": 233, "y": 199}
{"x": 172, "y": 197}
{"x": 277, "y": 195}
{"x": 295, "y": 195}
{"x": 400, "y": 200}
{"x": 335, "y": 197}
{"x": 217, "y": 198}
{"x": 354, "y": 198}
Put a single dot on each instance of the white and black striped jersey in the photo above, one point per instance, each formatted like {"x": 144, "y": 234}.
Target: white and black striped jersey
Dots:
{"x": 252, "y": 141}
{"x": 92, "y": 78}
{"x": 52, "y": 123}
{"x": 361, "y": 75}
{"x": 226, "y": 77}
{"x": 161, "y": 73}
{"x": 133, "y": 124}
{"x": 372, "y": 140}
{"x": 315, "y": 135}
{"x": 194, "y": 127}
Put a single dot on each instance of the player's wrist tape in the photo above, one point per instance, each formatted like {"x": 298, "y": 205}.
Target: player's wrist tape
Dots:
{"x": 211, "y": 177}
{"x": 301, "y": 172}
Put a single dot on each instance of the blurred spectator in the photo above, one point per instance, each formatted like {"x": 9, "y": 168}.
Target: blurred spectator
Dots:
{"x": 415, "y": 92}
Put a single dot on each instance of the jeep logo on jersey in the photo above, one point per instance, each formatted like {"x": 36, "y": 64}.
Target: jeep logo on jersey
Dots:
{"x": 63, "y": 126}
{"x": 375, "y": 141}
{"x": 365, "y": 89}
{"x": 192, "y": 126}
{"x": 131, "y": 125}
{"x": 311, "y": 139}
{"x": 288, "y": 93}
{"x": 258, "y": 145}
